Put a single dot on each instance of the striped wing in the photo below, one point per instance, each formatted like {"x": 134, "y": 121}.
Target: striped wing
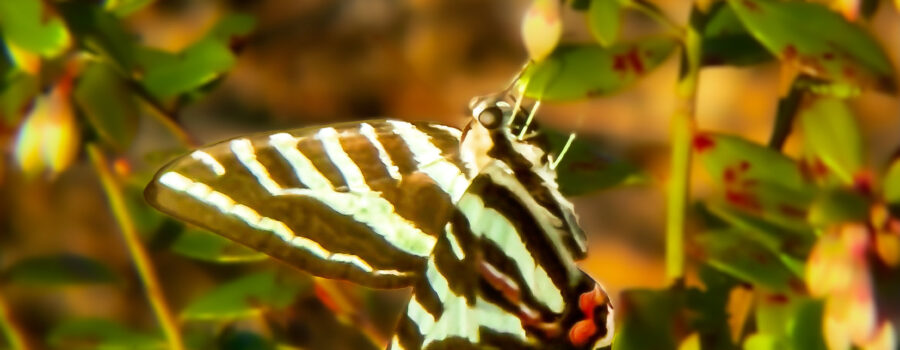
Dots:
{"x": 358, "y": 201}
{"x": 498, "y": 278}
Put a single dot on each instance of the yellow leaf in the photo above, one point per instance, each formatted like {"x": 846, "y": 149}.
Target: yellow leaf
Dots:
{"x": 542, "y": 28}
{"x": 48, "y": 139}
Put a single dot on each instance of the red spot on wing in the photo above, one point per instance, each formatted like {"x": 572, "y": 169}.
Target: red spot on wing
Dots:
{"x": 828, "y": 56}
{"x": 703, "y": 142}
{"x": 849, "y": 72}
{"x": 744, "y": 166}
{"x": 582, "y": 332}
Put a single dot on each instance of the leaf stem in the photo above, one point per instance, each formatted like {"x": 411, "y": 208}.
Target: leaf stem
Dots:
{"x": 139, "y": 255}
{"x": 682, "y": 134}
{"x": 14, "y": 334}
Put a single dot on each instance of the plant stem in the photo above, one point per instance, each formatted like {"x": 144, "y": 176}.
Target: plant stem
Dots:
{"x": 10, "y": 328}
{"x": 139, "y": 255}
{"x": 682, "y": 133}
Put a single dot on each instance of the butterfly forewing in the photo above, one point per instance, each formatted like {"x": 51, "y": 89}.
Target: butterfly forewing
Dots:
{"x": 357, "y": 201}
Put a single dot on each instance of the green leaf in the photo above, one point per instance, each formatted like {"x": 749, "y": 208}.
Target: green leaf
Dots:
{"x": 892, "y": 183}
{"x": 206, "y": 246}
{"x": 104, "y": 98}
{"x": 838, "y": 206}
{"x": 102, "y": 335}
{"x": 585, "y": 169}
{"x": 788, "y": 243}
{"x": 604, "y": 20}
{"x": 726, "y": 40}
{"x": 755, "y": 178}
{"x": 169, "y": 75}
{"x": 578, "y": 71}
{"x": 729, "y": 252}
{"x": 58, "y": 270}
{"x": 793, "y": 30}
{"x": 245, "y": 297}
{"x": 833, "y": 136}
{"x": 100, "y": 32}
{"x": 27, "y": 25}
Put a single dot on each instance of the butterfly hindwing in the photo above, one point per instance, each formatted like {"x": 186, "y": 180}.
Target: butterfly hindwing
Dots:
{"x": 493, "y": 271}
{"x": 343, "y": 201}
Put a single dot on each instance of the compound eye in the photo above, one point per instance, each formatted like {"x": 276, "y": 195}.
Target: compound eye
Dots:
{"x": 491, "y": 117}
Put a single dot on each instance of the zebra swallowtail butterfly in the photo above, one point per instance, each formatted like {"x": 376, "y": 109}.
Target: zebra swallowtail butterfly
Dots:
{"x": 472, "y": 220}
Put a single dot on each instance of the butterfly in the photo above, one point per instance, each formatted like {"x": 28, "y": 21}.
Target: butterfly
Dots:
{"x": 472, "y": 219}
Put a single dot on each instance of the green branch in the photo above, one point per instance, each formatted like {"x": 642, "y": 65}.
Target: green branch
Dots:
{"x": 682, "y": 134}
{"x": 139, "y": 255}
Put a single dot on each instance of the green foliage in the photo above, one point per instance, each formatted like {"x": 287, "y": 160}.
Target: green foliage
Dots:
{"x": 246, "y": 296}
{"x": 833, "y": 137}
{"x": 726, "y": 40}
{"x": 26, "y": 27}
{"x": 101, "y": 334}
{"x": 604, "y": 19}
{"x": 210, "y": 247}
{"x": 584, "y": 168}
{"x": 760, "y": 222}
{"x": 579, "y": 71}
{"x": 103, "y": 97}
{"x": 823, "y": 42}
{"x": 734, "y": 254}
{"x": 755, "y": 179}
{"x": 58, "y": 270}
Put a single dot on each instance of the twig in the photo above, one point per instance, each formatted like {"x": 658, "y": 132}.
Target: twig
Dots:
{"x": 136, "y": 249}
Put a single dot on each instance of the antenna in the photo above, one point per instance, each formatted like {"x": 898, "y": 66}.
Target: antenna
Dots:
{"x": 555, "y": 162}
{"x": 537, "y": 104}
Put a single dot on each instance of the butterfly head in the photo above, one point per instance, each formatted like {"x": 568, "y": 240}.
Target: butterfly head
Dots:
{"x": 495, "y": 131}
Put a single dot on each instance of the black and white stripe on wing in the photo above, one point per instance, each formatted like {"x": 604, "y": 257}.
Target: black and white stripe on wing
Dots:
{"x": 486, "y": 274}
{"x": 339, "y": 201}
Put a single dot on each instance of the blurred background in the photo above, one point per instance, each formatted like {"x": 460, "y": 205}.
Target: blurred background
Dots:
{"x": 311, "y": 62}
